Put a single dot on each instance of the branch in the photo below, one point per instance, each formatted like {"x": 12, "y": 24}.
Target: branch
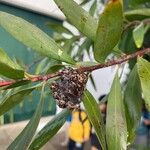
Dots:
{"x": 136, "y": 23}
{"x": 120, "y": 60}
{"x": 45, "y": 77}
{"x": 6, "y": 83}
{"x": 33, "y": 79}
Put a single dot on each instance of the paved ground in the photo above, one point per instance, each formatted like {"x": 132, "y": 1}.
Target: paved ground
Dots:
{"x": 9, "y": 132}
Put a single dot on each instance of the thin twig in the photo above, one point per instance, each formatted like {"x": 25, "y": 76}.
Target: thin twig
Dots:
{"x": 6, "y": 83}
{"x": 45, "y": 77}
{"x": 136, "y": 23}
{"x": 120, "y": 60}
{"x": 33, "y": 79}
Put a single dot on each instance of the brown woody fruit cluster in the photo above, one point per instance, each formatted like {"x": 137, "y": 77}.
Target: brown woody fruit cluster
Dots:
{"x": 68, "y": 90}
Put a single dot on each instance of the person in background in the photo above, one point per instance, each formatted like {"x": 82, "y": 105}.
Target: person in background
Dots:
{"x": 79, "y": 130}
{"x": 143, "y": 133}
{"x": 95, "y": 145}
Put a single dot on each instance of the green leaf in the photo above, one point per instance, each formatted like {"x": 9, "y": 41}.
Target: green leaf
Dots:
{"x": 116, "y": 128}
{"x": 49, "y": 130}
{"x": 138, "y": 35}
{"x": 80, "y": 18}
{"x": 126, "y": 43}
{"x": 40, "y": 66}
{"x": 24, "y": 138}
{"x": 8, "y": 68}
{"x": 138, "y": 2}
{"x": 93, "y": 8}
{"x": 2, "y": 119}
{"x": 84, "y": 2}
{"x": 68, "y": 44}
{"x": 144, "y": 74}
{"x": 86, "y": 64}
{"x": 128, "y": 46}
{"x": 4, "y": 58}
{"x": 95, "y": 117}
{"x": 14, "y": 98}
{"x": 54, "y": 68}
{"x": 109, "y": 29}
{"x": 133, "y": 104}
{"x": 58, "y": 28}
{"x": 11, "y": 116}
{"x": 137, "y": 14}
{"x": 85, "y": 46}
{"x": 93, "y": 81}
{"x": 117, "y": 52}
{"x": 17, "y": 84}
{"x": 33, "y": 37}
{"x": 9, "y": 72}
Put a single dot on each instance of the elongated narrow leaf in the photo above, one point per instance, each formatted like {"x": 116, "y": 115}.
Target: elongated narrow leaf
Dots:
{"x": 68, "y": 44}
{"x": 24, "y": 138}
{"x": 137, "y": 13}
{"x": 133, "y": 104}
{"x": 54, "y": 68}
{"x": 93, "y": 81}
{"x": 138, "y": 35}
{"x": 109, "y": 29}
{"x": 138, "y": 2}
{"x": 80, "y": 18}
{"x": 85, "y": 46}
{"x": 142, "y": 12}
{"x": 42, "y": 64}
{"x": 116, "y": 128}
{"x": 93, "y": 8}
{"x": 95, "y": 117}
{"x": 85, "y": 64}
{"x": 58, "y": 28}
{"x": 144, "y": 74}
{"x": 8, "y": 68}
{"x": 84, "y": 2}
{"x": 4, "y": 58}
{"x": 17, "y": 84}
{"x": 9, "y": 72}
{"x": 2, "y": 119}
{"x": 15, "y": 98}
{"x": 32, "y": 37}
{"x": 50, "y": 129}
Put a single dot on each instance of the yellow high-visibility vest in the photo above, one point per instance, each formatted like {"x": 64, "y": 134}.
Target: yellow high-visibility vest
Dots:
{"x": 80, "y": 127}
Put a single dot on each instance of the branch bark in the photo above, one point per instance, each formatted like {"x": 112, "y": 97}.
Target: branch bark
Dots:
{"x": 136, "y": 23}
{"x": 120, "y": 60}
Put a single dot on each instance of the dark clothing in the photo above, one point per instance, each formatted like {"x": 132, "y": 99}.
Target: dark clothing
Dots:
{"x": 95, "y": 141}
{"x": 144, "y": 129}
{"x": 72, "y": 145}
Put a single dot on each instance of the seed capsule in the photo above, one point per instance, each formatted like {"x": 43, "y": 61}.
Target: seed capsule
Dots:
{"x": 68, "y": 90}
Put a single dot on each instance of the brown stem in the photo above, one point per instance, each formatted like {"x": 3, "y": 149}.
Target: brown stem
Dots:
{"x": 33, "y": 79}
{"x": 117, "y": 61}
{"x": 120, "y": 60}
{"x": 6, "y": 83}
{"x": 136, "y": 23}
{"x": 45, "y": 77}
